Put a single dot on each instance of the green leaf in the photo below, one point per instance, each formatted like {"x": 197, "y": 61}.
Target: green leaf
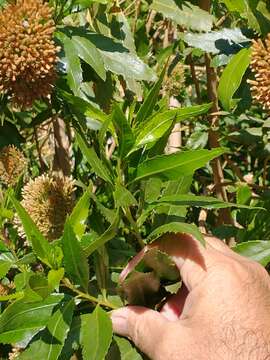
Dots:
{"x": 256, "y": 250}
{"x": 72, "y": 342}
{"x": 96, "y": 334}
{"x": 20, "y": 321}
{"x": 6, "y": 262}
{"x": 129, "y": 65}
{"x": 39, "y": 284}
{"x": 89, "y": 53}
{"x": 117, "y": 58}
{"x": 93, "y": 159}
{"x": 206, "y": 202}
{"x": 189, "y": 16}
{"x": 182, "y": 163}
{"x": 149, "y": 103}
{"x": 85, "y": 107}
{"x": 123, "y": 131}
{"x": 171, "y": 212}
{"x": 231, "y": 78}
{"x": 79, "y": 214}
{"x": 76, "y": 264}
{"x": 74, "y": 70}
{"x": 105, "y": 237}
{"x": 123, "y": 197}
{"x": 54, "y": 278}
{"x": 176, "y": 227}
{"x": 210, "y": 41}
{"x": 127, "y": 351}
{"x": 157, "y": 125}
{"x": 40, "y": 245}
{"x": 49, "y": 346}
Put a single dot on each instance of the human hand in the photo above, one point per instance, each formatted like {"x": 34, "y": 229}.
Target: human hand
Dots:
{"x": 222, "y": 312}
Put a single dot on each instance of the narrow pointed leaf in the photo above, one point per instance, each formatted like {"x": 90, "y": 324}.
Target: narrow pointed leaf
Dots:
{"x": 74, "y": 70}
{"x": 231, "y": 78}
{"x": 149, "y": 103}
{"x": 157, "y": 126}
{"x": 79, "y": 214}
{"x": 96, "y": 335}
{"x": 182, "y": 163}
{"x": 176, "y": 227}
{"x": 89, "y": 53}
{"x": 123, "y": 131}
{"x": 94, "y": 161}
{"x": 127, "y": 351}
{"x": 256, "y": 250}
{"x": 105, "y": 237}
{"x": 189, "y": 16}
{"x": 40, "y": 245}
{"x": 207, "y": 202}
{"x": 76, "y": 264}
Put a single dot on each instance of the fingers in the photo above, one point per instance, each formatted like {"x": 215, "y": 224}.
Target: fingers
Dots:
{"x": 174, "y": 305}
{"x": 192, "y": 258}
{"x": 143, "y": 326}
{"x": 189, "y": 255}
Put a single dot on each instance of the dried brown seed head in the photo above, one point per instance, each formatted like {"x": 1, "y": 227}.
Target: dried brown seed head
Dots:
{"x": 12, "y": 164}
{"x": 49, "y": 199}
{"x": 28, "y": 54}
{"x": 260, "y": 66}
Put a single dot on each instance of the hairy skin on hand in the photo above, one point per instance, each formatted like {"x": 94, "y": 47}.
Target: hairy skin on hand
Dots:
{"x": 221, "y": 312}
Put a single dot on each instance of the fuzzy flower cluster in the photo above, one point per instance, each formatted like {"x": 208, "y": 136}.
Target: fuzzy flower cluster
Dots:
{"x": 28, "y": 54}
{"x": 49, "y": 199}
{"x": 260, "y": 66}
{"x": 12, "y": 165}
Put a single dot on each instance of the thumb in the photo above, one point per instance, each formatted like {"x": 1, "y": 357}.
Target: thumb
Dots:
{"x": 143, "y": 326}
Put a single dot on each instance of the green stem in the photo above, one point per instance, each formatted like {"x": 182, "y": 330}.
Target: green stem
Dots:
{"x": 88, "y": 297}
{"x": 135, "y": 226}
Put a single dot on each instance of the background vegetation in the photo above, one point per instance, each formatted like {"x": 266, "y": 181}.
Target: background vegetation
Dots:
{"x": 121, "y": 121}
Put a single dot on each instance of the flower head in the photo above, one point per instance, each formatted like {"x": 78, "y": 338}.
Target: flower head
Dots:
{"x": 260, "y": 66}
{"x": 49, "y": 199}
{"x": 27, "y": 51}
{"x": 12, "y": 164}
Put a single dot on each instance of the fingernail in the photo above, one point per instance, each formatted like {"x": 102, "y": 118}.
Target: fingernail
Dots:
{"x": 119, "y": 321}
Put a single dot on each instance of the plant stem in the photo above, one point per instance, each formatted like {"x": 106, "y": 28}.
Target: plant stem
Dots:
{"x": 133, "y": 223}
{"x": 212, "y": 81}
{"x": 88, "y": 297}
